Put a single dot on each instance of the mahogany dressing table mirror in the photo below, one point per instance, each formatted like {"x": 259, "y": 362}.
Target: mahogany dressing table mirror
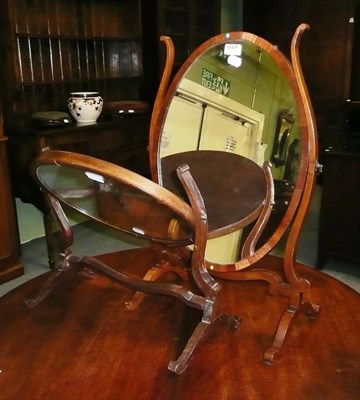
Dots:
{"x": 126, "y": 201}
{"x": 239, "y": 96}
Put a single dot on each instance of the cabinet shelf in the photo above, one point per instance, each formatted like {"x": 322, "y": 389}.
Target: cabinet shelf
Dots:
{"x": 88, "y": 18}
{"x": 45, "y": 60}
{"x": 81, "y": 81}
{"x": 78, "y": 37}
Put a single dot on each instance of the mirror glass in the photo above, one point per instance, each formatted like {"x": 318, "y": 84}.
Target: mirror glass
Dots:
{"x": 237, "y": 93}
{"x": 113, "y": 202}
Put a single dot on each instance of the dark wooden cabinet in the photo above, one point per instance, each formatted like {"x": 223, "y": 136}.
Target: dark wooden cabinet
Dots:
{"x": 329, "y": 53}
{"x": 51, "y": 48}
{"x": 189, "y": 23}
{"x": 339, "y": 224}
{"x": 10, "y": 266}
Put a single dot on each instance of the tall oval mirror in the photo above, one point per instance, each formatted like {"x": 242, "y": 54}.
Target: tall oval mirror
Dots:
{"x": 237, "y": 93}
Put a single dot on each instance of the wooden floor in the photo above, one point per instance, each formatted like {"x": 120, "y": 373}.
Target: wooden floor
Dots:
{"x": 82, "y": 343}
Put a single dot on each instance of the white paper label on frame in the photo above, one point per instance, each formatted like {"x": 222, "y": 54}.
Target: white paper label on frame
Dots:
{"x": 233, "y": 49}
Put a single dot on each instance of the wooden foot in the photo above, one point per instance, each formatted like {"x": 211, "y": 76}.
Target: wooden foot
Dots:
{"x": 55, "y": 278}
{"x": 179, "y": 366}
{"x": 309, "y": 309}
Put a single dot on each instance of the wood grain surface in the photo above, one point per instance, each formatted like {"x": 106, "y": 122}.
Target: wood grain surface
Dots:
{"x": 82, "y": 343}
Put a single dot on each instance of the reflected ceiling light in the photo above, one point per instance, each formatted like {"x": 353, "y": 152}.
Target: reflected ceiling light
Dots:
{"x": 234, "y": 61}
{"x": 95, "y": 177}
{"x": 230, "y": 54}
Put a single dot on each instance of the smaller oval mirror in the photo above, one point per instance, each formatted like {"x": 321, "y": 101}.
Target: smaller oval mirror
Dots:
{"x": 116, "y": 197}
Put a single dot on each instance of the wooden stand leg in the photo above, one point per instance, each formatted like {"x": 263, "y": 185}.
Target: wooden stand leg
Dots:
{"x": 153, "y": 274}
{"x": 49, "y": 237}
{"x": 55, "y": 278}
{"x": 210, "y": 317}
{"x": 295, "y": 308}
{"x": 290, "y": 285}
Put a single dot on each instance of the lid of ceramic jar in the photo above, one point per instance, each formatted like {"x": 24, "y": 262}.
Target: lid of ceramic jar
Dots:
{"x": 50, "y": 118}
{"x": 84, "y": 94}
{"x": 126, "y": 106}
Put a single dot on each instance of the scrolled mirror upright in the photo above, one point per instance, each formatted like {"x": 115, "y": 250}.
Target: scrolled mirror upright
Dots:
{"x": 238, "y": 94}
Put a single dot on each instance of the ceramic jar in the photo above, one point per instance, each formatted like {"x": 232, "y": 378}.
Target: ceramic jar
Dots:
{"x": 85, "y": 106}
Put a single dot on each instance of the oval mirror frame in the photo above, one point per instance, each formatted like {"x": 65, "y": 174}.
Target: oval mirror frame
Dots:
{"x": 114, "y": 196}
{"x": 306, "y": 171}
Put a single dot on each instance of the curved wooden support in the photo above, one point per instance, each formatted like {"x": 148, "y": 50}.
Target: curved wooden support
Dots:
{"x": 48, "y": 227}
{"x": 72, "y": 261}
{"x": 295, "y": 60}
{"x": 164, "y": 82}
{"x": 153, "y": 274}
{"x": 277, "y": 285}
{"x": 292, "y": 312}
{"x": 248, "y": 254}
{"x": 309, "y": 163}
{"x": 52, "y": 209}
{"x": 253, "y": 237}
{"x": 170, "y": 289}
{"x": 67, "y": 233}
{"x": 175, "y": 261}
{"x": 271, "y": 277}
{"x": 199, "y": 271}
{"x": 55, "y": 278}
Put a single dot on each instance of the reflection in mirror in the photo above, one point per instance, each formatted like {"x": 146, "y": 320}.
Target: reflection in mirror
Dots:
{"x": 114, "y": 203}
{"x": 282, "y": 137}
{"x": 229, "y": 108}
{"x": 230, "y": 99}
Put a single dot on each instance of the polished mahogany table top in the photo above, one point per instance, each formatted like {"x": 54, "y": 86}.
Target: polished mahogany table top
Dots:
{"x": 232, "y": 199}
{"x": 82, "y": 343}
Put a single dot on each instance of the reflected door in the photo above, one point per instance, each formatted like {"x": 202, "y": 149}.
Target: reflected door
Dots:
{"x": 226, "y": 132}
{"x": 206, "y": 128}
{"x": 183, "y": 122}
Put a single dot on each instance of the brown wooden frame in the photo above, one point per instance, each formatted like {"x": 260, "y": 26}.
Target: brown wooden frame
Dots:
{"x": 288, "y": 282}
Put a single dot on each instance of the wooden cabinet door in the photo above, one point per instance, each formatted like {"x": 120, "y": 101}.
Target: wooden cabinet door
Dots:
{"x": 339, "y": 224}
{"x": 10, "y": 266}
